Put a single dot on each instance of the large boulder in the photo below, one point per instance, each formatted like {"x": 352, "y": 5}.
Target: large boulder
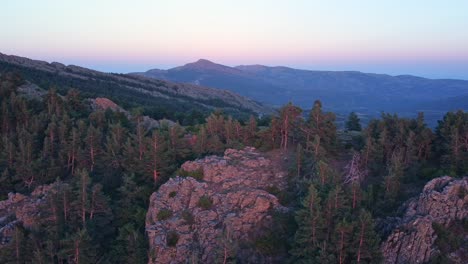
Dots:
{"x": 443, "y": 203}
{"x": 204, "y": 220}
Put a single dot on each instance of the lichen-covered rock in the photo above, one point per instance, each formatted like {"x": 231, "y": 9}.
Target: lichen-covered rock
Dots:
{"x": 23, "y": 210}
{"x": 201, "y": 220}
{"x": 443, "y": 201}
{"x": 147, "y": 122}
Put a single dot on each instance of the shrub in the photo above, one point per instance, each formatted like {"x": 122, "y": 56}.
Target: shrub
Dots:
{"x": 172, "y": 238}
{"x": 205, "y": 202}
{"x": 164, "y": 214}
{"x": 188, "y": 217}
{"x": 275, "y": 241}
{"x": 449, "y": 238}
{"x": 284, "y": 197}
{"x": 267, "y": 244}
{"x": 273, "y": 190}
{"x": 196, "y": 174}
{"x": 172, "y": 194}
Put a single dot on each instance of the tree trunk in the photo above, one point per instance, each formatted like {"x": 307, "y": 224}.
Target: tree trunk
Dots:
{"x": 65, "y": 207}
{"x": 93, "y": 206}
{"x": 341, "y": 246}
{"x": 92, "y": 157}
{"x": 361, "y": 241}
{"x": 225, "y": 255}
{"x": 354, "y": 196}
{"x": 314, "y": 230}
{"x": 17, "y": 246}
{"x": 83, "y": 202}
{"x": 77, "y": 252}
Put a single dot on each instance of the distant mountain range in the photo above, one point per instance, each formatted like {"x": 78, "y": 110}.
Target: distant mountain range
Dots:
{"x": 204, "y": 86}
{"x": 131, "y": 90}
{"x": 340, "y": 91}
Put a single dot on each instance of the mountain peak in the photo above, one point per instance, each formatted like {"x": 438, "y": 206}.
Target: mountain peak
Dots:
{"x": 202, "y": 64}
{"x": 204, "y": 61}
{"x": 206, "y": 65}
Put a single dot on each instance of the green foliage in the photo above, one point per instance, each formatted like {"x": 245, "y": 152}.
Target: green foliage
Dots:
{"x": 205, "y": 202}
{"x": 448, "y": 238}
{"x": 353, "y": 123}
{"x": 284, "y": 197}
{"x": 17, "y": 250}
{"x": 450, "y": 143}
{"x": 172, "y": 238}
{"x": 188, "y": 217}
{"x": 130, "y": 246}
{"x": 325, "y": 219}
{"x": 398, "y": 156}
{"x": 196, "y": 174}
{"x": 275, "y": 241}
{"x": 273, "y": 189}
{"x": 164, "y": 214}
{"x": 267, "y": 244}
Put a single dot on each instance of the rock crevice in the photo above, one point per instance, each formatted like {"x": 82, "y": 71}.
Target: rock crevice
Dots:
{"x": 442, "y": 202}
{"x": 206, "y": 219}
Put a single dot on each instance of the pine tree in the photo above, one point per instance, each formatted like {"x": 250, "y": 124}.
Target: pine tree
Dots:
{"x": 16, "y": 251}
{"x": 452, "y": 142}
{"x": 251, "y": 130}
{"x": 289, "y": 115}
{"x": 299, "y": 160}
{"x": 311, "y": 228}
{"x": 343, "y": 240}
{"x": 202, "y": 141}
{"x": 395, "y": 173}
{"x": 130, "y": 246}
{"x": 322, "y": 128}
{"x": 78, "y": 248}
{"x": 367, "y": 240}
{"x": 93, "y": 146}
{"x": 353, "y": 123}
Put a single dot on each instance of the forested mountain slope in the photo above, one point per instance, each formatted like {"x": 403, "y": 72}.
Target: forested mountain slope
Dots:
{"x": 157, "y": 97}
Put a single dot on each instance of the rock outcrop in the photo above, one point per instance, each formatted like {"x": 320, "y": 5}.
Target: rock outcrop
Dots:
{"x": 31, "y": 91}
{"x": 101, "y": 103}
{"x": 23, "y": 210}
{"x": 443, "y": 202}
{"x": 202, "y": 219}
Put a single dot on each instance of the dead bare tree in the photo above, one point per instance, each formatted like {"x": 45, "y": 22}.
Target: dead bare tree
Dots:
{"x": 356, "y": 173}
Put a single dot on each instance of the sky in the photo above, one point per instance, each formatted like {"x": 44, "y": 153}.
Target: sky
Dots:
{"x": 421, "y": 37}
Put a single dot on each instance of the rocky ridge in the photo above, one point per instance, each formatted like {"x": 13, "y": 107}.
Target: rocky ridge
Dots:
{"x": 444, "y": 201}
{"x": 101, "y": 103}
{"x": 203, "y": 219}
{"x": 139, "y": 84}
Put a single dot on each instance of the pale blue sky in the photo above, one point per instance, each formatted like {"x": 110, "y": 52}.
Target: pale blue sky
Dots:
{"x": 428, "y": 38}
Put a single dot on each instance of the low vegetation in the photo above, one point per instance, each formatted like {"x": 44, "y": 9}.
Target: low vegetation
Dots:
{"x": 196, "y": 174}
{"x": 172, "y": 238}
{"x": 188, "y": 217}
{"x": 205, "y": 202}
{"x": 164, "y": 214}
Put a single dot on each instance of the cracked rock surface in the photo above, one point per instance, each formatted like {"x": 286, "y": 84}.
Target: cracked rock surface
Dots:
{"x": 443, "y": 201}
{"x": 237, "y": 206}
